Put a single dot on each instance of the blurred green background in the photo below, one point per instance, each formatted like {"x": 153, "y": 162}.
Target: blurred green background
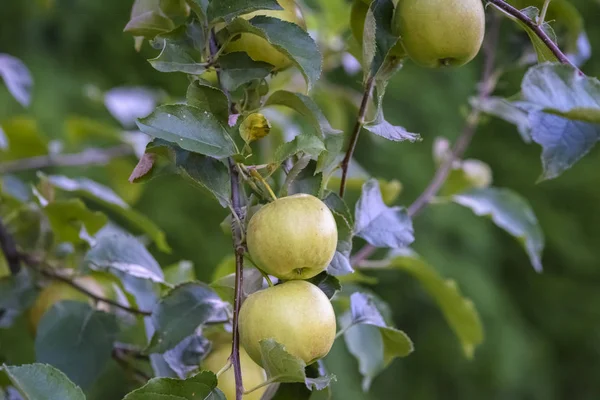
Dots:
{"x": 542, "y": 330}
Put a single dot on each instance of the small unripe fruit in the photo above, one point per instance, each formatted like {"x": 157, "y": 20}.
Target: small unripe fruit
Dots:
{"x": 293, "y": 237}
{"x": 296, "y": 314}
{"x": 437, "y": 33}
{"x": 260, "y": 49}
{"x": 252, "y": 374}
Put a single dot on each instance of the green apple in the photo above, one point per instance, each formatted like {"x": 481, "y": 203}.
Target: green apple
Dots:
{"x": 260, "y": 49}
{"x": 252, "y": 374}
{"x": 438, "y": 33}
{"x": 293, "y": 237}
{"x": 57, "y": 291}
{"x": 296, "y": 314}
{"x": 358, "y": 14}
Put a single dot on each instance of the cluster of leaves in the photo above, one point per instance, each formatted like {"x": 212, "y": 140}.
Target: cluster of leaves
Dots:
{"x": 157, "y": 322}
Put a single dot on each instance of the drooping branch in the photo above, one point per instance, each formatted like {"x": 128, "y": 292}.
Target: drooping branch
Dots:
{"x": 85, "y": 158}
{"x": 536, "y": 28}
{"x": 53, "y": 273}
{"x": 485, "y": 88}
{"x": 360, "y": 121}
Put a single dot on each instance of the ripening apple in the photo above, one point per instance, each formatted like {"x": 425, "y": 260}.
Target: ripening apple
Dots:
{"x": 58, "y": 291}
{"x": 292, "y": 237}
{"x": 438, "y": 33}
{"x": 252, "y": 374}
{"x": 296, "y": 314}
{"x": 260, "y": 49}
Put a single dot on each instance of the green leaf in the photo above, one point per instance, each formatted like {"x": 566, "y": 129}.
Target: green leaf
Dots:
{"x": 370, "y": 340}
{"x": 207, "y": 172}
{"x": 199, "y": 7}
{"x": 503, "y": 109}
{"x": 378, "y": 38}
{"x": 304, "y": 106}
{"x": 225, "y": 285}
{"x": 287, "y": 38}
{"x": 76, "y": 339}
{"x": 378, "y": 224}
{"x": 180, "y": 272}
{"x": 280, "y": 365}
{"x": 305, "y": 143}
{"x": 340, "y": 264}
{"x": 459, "y": 311}
{"x": 181, "y": 312}
{"x": 39, "y": 381}
{"x": 116, "y": 251}
{"x": 68, "y": 217}
{"x": 544, "y": 54}
{"x": 187, "y": 354}
{"x": 17, "y": 78}
{"x": 104, "y": 196}
{"x": 332, "y": 156}
{"x": 229, "y": 9}
{"x": 149, "y": 24}
{"x": 24, "y": 139}
{"x": 206, "y": 97}
{"x": 238, "y": 69}
{"x": 190, "y": 128}
{"x": 308, "y": 181}
{"x": 17, "y": 293}
{"x": 510, "y": 212}
{"x": 559, "y": 89}
{"x": 327, "y": 283}
{"x": 181, "y": 50}
{"x": 198, "y": 387}
{"x": 380, "y": 127}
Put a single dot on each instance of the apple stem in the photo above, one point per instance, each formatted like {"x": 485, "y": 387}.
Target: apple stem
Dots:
{"x": 486, "y": 86}
{"x": 225, "y": 368}
{"x": 238, "y": 244}
{"x": 360, "y": 121}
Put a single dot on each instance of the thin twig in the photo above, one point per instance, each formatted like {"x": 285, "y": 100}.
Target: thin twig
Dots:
{"x": 9, "y": 249}
{"x": 360, "y": 121}
{"x": 121, "y": 358}
{"x": 238, "y": 246}
{"x": 543, "y": 12}
{"x": 52, "y": 273}
{"x": 486, "y": 87}
{"x": 85, "y": 158}
{"x": 537, "y": 29}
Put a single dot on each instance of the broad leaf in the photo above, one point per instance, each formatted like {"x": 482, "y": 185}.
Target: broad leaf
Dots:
{"x": 378, "y": 38}
{"x": 378, "y": 224}
{"x": 206, "y": 97}
{"x": 207, "y": 172}
{"x": 24, "y": 139}
{"x": 180, "y": 272}
{"x": 238, "y": 69}
{"x": 149, "y": 24}
{"x": 380, "y": 127}
{"x": 370, "y": 340}
{"x": 17, "y": 78}
{"x": 190, "y": 128}
{"x": 107, "y": 198}
{"x": 286, "y": 37}
{"x": 458, "y": 310}
{"x": 564, "y": 114}
{"x": 304, "y": 106}
{"x": 117, "y": 252}
{"x": 76, "y": 339}
{"x": 327, "y": 283}
{"x": 308, "y": 181}
{"x": 305, "y": 143}
{"x": 180, "y": 312}
{"x": 17, "y": 293}
{"x": 180, "y": 50}
{"x": 503, "y": 109}
{"x": 229, "y": 9}
{"x": 330, "y": 159}
{"x": 225, "y": 285}
{"x": 40, "y": 381}
{"x": 510, "y": 212}
{"x": 187, "y": 354}
{"x": 198, "y": 387}
{"x": 69, "y": 217}
{"x": 544, "y": 54}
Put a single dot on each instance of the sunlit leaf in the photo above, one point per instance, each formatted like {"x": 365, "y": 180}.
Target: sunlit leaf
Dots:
{"x": 197, "y": 387}
{"x": 37, "y": 381}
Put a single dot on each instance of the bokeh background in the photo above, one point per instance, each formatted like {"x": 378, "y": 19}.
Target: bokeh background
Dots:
{"x": 542, "y": 330}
